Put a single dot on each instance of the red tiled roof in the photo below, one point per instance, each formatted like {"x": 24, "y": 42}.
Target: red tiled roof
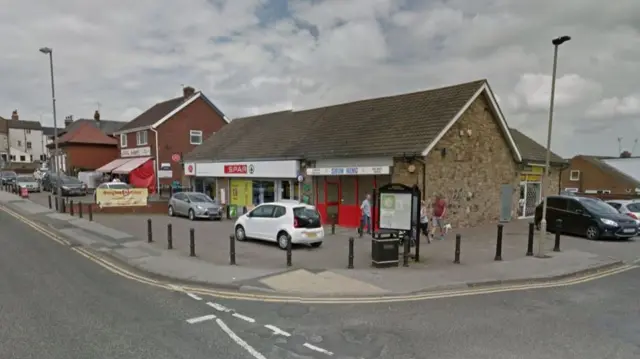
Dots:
{"x": 87, "y": 134}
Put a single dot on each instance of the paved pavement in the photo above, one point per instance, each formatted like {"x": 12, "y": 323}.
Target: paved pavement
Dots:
{"x": 321, "y": 271}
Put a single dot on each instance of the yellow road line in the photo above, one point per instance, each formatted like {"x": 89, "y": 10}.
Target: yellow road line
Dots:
{"x": 119, "y": 270}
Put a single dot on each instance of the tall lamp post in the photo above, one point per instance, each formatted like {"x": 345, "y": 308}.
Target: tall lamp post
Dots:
{"x": 49, "y": 51}
{"x": 545, "y": 178}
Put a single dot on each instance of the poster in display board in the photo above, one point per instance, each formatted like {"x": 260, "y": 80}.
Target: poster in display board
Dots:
{"x": 398, "y": 207}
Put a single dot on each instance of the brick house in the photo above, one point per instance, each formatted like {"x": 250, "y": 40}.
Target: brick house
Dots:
{"x": 163, "y": 132}
{"x": 601, "y": 175}
{"x": 452, "y": 140}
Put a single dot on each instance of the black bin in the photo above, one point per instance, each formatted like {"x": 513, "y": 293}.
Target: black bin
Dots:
{"x": 384, "y": 252}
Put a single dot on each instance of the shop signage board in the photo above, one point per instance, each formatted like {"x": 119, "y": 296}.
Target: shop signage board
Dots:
{"x": 122, "y": 198}
{"x": 348, "y": 171}
{"x": 190, "y": 169}
{"x": 135, "y": 152}
{"x": 258, "y": 169}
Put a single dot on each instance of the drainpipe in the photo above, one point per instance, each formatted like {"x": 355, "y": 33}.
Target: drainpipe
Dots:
{"x": 157, "y": 160}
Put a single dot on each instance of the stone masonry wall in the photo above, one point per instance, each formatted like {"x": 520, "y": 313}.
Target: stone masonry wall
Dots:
{"x": 474, "y": 168}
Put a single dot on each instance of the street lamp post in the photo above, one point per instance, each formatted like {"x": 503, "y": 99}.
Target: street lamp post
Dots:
{"x": 545, "y": 178}
{"x": 49, "y": 51}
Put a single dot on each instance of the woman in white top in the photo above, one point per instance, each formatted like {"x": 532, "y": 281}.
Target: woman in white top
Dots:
{"x": 424, "y": 221}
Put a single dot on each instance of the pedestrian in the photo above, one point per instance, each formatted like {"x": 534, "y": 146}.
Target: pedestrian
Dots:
{"x": 437, "y": 218}
{"x": 365, "y": 209}
{"x": 424, "y": 221}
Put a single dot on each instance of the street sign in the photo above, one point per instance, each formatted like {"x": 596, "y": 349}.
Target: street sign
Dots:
{"x": 175, "y": 157}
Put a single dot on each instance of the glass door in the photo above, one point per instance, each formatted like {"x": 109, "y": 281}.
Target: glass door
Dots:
{"x": 332, "y": 197}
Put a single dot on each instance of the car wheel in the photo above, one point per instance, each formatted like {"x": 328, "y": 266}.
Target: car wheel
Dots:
{"x": 192, "y": 215}
{"x": 240, "y": 234}
{"x": 283, "y": 240}
{"x": 593, "y": 233}
{"x": 316, "y": 245}
{"x": 171, "y": 214}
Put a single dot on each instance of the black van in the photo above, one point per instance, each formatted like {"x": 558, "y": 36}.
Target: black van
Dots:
{"x": 585, "y": 216}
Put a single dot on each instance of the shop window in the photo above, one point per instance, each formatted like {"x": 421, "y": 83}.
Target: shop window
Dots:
{"x": 365, "y": 186}
{"x": 318, "y": 182}
{"x": 263, "y": 192}
{"x": 349, "y": 194}
{"x": 286, "y": 190}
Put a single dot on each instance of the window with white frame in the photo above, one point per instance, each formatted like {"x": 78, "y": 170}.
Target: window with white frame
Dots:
{"x": 123, "y": 140}
{"x": 574, "y": 175}
{"x": 195, "y": 137}
{"x": 141, "y": 138}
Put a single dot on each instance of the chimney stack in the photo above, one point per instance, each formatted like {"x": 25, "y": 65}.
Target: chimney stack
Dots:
{"x": 188, "y": 91}
{"x": 68, "y": 120}
{"x": 14, "y": 115}
{"x": 96, "y": 115}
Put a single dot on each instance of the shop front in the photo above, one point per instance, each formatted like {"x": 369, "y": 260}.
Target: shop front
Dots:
{"x": 530, "y": 190}
{"x": 246, "y": 184}
{"x": 340, "y": 188}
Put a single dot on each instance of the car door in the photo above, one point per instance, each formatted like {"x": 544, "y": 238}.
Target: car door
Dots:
{"x": 258, "y": 221}
{"x": 577, "y": 219}
{"x": 180, "y": 206}
{"x": 277, "y": 221}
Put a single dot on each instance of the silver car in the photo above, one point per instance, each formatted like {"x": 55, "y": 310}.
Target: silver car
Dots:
{"x": 629, "y": 208}
{"x": 194, "y": 205}
{"x": 29, "y": 182}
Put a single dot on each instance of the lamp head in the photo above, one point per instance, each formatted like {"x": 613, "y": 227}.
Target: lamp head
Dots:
{"x": 46, "y": 50}
{"x": 560, "y": 40}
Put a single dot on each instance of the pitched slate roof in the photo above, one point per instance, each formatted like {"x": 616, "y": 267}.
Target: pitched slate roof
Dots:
{"x": 106, "y": 126}
{"x": 387, "y": 126}
{"x": 86, "y": 133}
{"x": 25, "y": 125}
{"x": 49, "y": 131}
{"x": 599, "y": 162}
{"x": 531, "y": 150}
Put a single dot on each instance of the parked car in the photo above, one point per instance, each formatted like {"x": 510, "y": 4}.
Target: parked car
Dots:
{"x": 8, "y": 177}
{"x": 585, "y": 216}
{"x": 69, "y": 186}
{"x": 29, "y": 182}
{"x": 281, "y": 222}
{"x": 629, "y": 208}
{"x": 194, "y": 205}
{"x": 110, "y": 185}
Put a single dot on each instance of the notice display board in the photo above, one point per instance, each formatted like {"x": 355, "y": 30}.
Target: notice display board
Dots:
{"x": 395, "y": 211}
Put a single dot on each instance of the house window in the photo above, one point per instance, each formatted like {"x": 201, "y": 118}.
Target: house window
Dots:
{"x": 141, "y": 138}
{"x": 195, "y": 137}
{"x": 27, "y": 131}
{"x": 19, "y": 143}
{"x": 123, "y": 140}
{"x": 23, "y": 158}
{"x": 574, "y": 175}
{"x": 30, "y": 158}
{"x": 28, "y": 145}
{"x": 13, "y": 157}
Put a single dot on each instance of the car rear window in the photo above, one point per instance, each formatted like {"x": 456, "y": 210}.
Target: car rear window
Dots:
{"x": 634, "y": 207}
{"x": 305, "y": 212}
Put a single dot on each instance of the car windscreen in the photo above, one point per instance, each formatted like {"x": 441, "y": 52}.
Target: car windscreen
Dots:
{"x": 199, "y": 197}
{"x": 634, "y": 207}
{"x": 70, "y": 180}
{"x": 26, "y": 179}
{"x": 8, "y": 174}
{"x": 598, "y": 206}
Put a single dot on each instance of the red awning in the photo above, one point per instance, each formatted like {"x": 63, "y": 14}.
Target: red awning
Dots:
{"x": 113, "y": 165}
{"x": 131, "y": 165}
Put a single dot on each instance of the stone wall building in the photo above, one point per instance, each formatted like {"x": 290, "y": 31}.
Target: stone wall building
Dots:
{"x": 452, "y": 140}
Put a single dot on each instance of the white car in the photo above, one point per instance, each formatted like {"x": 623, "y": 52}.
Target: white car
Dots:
{"x": 280, "y": 221}
{"x": 630, "y": 208}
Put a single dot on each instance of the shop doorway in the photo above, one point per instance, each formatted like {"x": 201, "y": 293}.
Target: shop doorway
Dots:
{"x": 530, "y": 197}
{"x": 332, "y": 197}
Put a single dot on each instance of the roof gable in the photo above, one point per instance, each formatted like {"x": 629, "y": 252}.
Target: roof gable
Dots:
{"x": 627, "y": 169}
{"x": 85, "y": 133}
{"x": 163, "y": 111}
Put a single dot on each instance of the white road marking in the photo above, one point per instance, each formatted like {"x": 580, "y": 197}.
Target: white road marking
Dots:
{"x": 219, "y": 307}
{"x": 203, "y": 318}
{"x": 244, "y": 317}
{"x": 276, "y": 330}
{"x": 194, "y": 296}
{"x": 239, "y": 340}
{"x": 313, "y": 347}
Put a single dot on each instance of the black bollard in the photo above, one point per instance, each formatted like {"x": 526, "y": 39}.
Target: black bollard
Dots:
{"x": 556, "y": 246}
{"x": 192, "y": 242}
{"x": 90, "y": 208}
{"x": 333, "y": 224}
{"x": 49, "y": 200}
{"x": 405, "y": 255}
{"x": 149, "y": 231}
{"x": 456, "y": 259}
{"x": 169, "y": 237}
{"x": 71, "y": 210}
{"x": 80, "y": 209}
{"x": 289, "y": 244}
{"x": 56, "y": 201}
{"x": 499, "y": 243}
{"x": 530, "y": 239}
{"x": 64, "y": 205}
{"x": 351, "y": 241}
{"x": 232, "y": 250}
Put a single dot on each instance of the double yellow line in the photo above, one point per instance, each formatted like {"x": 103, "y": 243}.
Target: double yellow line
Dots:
{"x": 119, "y": 270}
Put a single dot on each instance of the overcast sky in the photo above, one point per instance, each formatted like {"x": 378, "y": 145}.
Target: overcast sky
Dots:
{"x": 256, "y": 56}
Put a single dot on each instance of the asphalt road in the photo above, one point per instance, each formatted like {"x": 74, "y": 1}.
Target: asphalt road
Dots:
{"x": 57, "y": 304}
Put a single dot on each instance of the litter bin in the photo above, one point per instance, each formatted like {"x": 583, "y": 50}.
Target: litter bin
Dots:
{"x": 233, "y": 211}
{"x": 384, "y": 252}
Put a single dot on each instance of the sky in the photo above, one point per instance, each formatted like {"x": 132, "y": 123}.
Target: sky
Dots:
{"x": 258, "y": 56}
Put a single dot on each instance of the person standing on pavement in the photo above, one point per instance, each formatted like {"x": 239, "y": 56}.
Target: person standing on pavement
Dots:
{"x": 424, "y": 221}
{"x": 439, "y": 211}
{"x": 365, "y": 209}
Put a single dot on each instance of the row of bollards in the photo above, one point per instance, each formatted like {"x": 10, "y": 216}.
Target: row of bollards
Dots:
{"x": 62, "y": 207}
{"x": 530, "y": 235}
